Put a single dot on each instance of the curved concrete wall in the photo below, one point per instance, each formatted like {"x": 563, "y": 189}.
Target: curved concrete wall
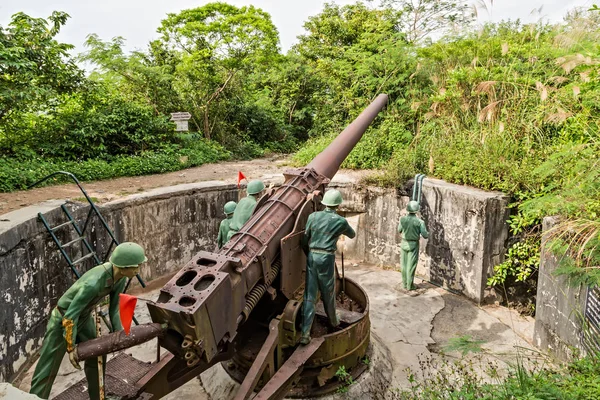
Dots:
{"x": 467, "y": 226}
{"x": 467, "y": 232}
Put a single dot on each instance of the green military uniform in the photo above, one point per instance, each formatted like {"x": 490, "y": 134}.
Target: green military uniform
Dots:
{"x": 224, "y": 231}
{"x": 242, "y": 214}
{"x": 412, "y": 228}
{"x": 71, "y": 322}
{"x": 229, "y": 209}
{"x": 322, "y": 231}
{"x": 245, "y": 207}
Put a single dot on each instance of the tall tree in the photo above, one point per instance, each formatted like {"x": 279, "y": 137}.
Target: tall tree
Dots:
{"x": 216, "y": 43}
{"x": 35, "y": 69}
{"x": 139, "y": 75}
{"x": 357, "y": 52}
{"x": 337, "y": 28}
{"x": 420, "y": 19}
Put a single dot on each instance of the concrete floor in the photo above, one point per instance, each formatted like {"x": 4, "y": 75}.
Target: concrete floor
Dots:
{"x": 405, "y": 331}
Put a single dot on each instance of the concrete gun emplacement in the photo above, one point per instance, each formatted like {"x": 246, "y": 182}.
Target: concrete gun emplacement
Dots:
{"x": 241, "y": 305}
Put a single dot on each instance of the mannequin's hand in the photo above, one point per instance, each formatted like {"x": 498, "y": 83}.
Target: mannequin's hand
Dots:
{"x": 73, "y": 359}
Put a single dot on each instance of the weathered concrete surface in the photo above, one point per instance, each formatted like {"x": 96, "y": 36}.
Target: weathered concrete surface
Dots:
{"x": 522, "y": 325}
{"x": 559, "y": 306}
{"x": 500, "y": 341}
{"x": 405, "y": 330}
{"x": 172, "y": 223}
{"x": 468, "y": 232}
{"x": 9, "y": 392}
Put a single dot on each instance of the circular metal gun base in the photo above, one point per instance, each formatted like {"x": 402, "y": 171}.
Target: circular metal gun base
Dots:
{"x": 338, "y": 361}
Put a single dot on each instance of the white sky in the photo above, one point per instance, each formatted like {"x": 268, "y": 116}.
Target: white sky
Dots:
{"x": 137, "y": 20}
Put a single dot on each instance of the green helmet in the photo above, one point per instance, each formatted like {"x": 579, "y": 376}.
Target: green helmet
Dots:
{"x": 230, "y": 207}
{"x": 412, "y": 207}
{"x": 256, "y": 186}
{"x": 128, "y": 255}
{"x": 332, "y": 198}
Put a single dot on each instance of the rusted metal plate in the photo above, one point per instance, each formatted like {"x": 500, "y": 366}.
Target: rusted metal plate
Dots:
{"x": 345, "y": 346}
{"x": 122, "y": 372}
{"x": 349, "y": 340}
{"x": 293, "y": 265}
{"x": 265, "y": 359}
{"x": 279, "y": 384}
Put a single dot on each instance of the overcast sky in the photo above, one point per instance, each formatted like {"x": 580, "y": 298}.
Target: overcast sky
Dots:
{"x": 137, "y": 20}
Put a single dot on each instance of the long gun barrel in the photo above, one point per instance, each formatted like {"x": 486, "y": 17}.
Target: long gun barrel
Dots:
{"x": 214, "y": 293}
{"x": 329, "y": 160}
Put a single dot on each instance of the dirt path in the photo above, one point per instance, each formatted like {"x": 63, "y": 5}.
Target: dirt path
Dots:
{"x": 108, "y": 190}
{"x": 104, "y": 191}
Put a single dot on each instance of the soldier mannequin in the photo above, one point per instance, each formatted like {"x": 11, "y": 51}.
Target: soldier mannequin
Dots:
{"x": 322, "y": 231}
{"x": 224, "y": 227}
{"x": 71, "y": 321}
{"x": 411, "y": 227}
{"x": 245, "y": 207}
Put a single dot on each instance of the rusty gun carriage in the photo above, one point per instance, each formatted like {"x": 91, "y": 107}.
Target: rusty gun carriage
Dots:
{"x": 240, "y": 305}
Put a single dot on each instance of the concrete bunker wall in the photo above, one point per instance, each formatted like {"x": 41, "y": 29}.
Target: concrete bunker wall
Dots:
{"x": 467, "y": 226}
{"x": 559, "y": 306}
{"x": 468, "y": 229}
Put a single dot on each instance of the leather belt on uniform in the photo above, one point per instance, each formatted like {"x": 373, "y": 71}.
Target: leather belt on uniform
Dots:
{"x": 320, "y": 251}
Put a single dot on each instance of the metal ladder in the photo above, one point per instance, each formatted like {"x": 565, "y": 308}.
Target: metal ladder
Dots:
{"x": 417, "y": 188}
{"x": 81, "y": 235}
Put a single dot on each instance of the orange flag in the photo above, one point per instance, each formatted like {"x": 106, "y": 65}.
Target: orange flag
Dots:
{"x": 126, "y": 308}
{"x": 241, "y": 177}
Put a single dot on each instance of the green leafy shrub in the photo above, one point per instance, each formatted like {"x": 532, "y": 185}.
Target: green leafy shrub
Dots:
{"x": 19, "y": 174}
{"x": 522, "y": 260}
{"x": 344, "y": 378}
{"x": 458, "y": 380}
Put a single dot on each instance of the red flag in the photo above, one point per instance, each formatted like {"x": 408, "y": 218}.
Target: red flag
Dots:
{"x": 241, "y": 177}
{"x": 126, "y": 308}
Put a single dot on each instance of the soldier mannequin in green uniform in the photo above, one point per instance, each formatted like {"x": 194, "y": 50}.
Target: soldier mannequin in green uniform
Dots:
{"x": 224, "y": 227}
{"x": 245, "y": 207}
{"x": 71, "y": 321}
{"x": 321, "y": 233}
{"x": 412, "y": 228}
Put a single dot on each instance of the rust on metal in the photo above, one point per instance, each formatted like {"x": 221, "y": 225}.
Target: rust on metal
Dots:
{"x": 329, "y": 160}
{"x": 280, "y": 383}
{"x": 346, "y": 346}
{"x": 122, "y": 371}
{"x": 100, "y": 357}
{"x": 117, "y": 341}
{"x": 209, "y": 302}
{"x": 265, "y": 359}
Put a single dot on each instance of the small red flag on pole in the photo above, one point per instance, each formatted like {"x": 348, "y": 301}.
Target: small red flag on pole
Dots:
{"x": 241, "y": 177}
{"x": 126, "y": 308}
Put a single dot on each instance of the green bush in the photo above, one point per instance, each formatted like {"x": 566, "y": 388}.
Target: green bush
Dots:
{"x": 457, "y": 380}
{"x": 19, "y": 174}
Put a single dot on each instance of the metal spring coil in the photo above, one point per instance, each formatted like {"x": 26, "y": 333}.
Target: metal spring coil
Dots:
{"x": 258, "y": 291}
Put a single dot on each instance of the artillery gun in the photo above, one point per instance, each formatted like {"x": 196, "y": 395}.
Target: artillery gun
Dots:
{"x": 241, "y": 305}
